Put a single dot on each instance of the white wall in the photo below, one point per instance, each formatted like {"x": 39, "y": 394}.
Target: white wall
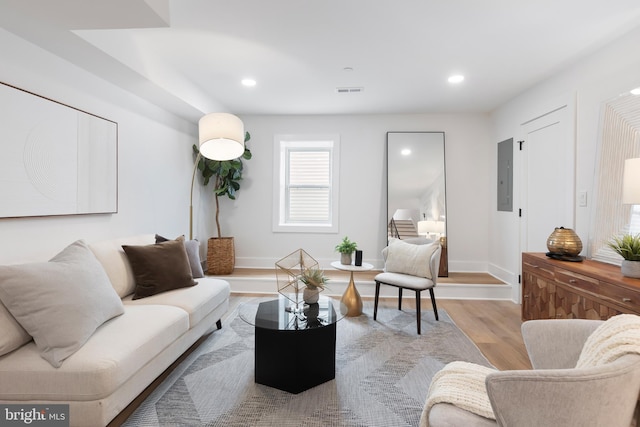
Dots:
{"x": 603, "y": 75}
{"x": 468, "y": 149}
{"x": 154, "y": 158}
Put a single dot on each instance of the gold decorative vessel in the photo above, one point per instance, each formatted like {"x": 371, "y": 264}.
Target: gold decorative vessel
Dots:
{"x": 565, "y": 242}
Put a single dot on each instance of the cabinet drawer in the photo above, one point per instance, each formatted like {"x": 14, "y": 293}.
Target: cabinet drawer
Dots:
{"x": 538, "y": 268}
{"x": 578, "y": 281}
{"x": 620, "y": 296}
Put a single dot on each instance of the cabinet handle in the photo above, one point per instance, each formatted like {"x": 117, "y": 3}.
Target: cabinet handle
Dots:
{"x": 573, "y": 281}
{"x": 626, "y": 299}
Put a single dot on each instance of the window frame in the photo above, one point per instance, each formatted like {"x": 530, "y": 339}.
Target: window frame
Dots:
{"x": 284, "y": 143}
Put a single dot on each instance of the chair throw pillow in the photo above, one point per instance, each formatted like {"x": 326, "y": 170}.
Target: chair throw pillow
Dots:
{"x": 159, "y": 268}
{"x": 62, "y": 302}
{"x": 193, "y": 253}
{"x": 408, "y": 258}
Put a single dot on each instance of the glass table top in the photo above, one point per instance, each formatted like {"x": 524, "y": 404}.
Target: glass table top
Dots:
{"x": 280, "y": 313}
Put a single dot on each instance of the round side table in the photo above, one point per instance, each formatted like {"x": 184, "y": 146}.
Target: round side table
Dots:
{"x": 351, "y": 297}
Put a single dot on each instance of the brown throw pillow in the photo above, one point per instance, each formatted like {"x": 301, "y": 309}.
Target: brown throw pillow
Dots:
{"x": 159, "y": 268}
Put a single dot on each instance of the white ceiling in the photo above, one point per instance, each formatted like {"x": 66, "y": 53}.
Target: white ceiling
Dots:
{"x": 189, "y": 56}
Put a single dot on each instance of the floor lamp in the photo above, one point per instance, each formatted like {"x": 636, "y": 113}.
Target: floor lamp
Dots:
{"x": 220, "y": 137}
{"x": 631, "y": 182}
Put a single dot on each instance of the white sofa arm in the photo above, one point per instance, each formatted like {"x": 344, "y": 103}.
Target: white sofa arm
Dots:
{"x": 556, "y": 343}
{"x": 600, "y": 396}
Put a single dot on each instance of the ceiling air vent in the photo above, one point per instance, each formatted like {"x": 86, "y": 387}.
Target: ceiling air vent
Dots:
{"x": 349, "y": 89}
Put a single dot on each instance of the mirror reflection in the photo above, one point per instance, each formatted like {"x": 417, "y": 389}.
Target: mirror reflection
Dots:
{"x": 416, "y": 198}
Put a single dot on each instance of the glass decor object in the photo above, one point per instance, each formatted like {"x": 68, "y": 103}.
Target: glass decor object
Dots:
{"x": 289, "y": 272}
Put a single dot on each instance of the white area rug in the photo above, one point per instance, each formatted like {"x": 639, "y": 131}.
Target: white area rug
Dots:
{"x": 383, "y": 371}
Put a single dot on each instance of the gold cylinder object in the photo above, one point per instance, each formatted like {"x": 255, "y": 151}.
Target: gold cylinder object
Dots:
{"x": 564, "y": 241}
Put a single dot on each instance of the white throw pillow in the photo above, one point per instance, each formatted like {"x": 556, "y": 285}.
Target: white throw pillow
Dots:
{"x": 62, "y": 302}
{"x": 408, "y": 258}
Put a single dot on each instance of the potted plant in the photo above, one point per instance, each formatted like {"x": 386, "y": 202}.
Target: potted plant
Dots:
{"x": 315, "y": 281}
{"x": 346, "y": 248}
{"x": 226, "y": 176}
{"x": 628, "y": 247}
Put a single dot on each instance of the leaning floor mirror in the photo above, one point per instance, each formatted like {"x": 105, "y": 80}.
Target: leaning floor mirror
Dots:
{"x": 416, "y": 196}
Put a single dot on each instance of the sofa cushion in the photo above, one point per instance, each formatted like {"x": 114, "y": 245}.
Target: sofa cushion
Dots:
{"x": 13, "y": 335}
{"x": 113, "y": 259}
{"x": 60, "y": 303}
{"x": 159, "y": 267}
{"x": 198, "y": 301}
{"x": 193, "y": 253}
{"x": 408, "y": 258}
{"x": 114, "y": 353}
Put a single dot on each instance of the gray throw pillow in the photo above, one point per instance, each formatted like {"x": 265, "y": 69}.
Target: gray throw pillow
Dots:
{"x": 62, "y": 302}
{"x": 193, "y": 253}
{"x": 159, "y": 268}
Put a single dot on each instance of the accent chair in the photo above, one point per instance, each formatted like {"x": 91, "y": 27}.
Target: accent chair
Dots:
{"x": 564, "y": 388}
{"x": 410, "y": 264}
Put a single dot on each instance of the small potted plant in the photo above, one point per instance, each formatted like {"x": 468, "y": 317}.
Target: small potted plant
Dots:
{"x": 315, "y": 281}
{"x": 346, "y": 248}
{"x": 628, "y": 247}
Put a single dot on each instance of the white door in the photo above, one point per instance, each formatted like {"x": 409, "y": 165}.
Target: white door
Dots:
{"x": 548, "y": 163}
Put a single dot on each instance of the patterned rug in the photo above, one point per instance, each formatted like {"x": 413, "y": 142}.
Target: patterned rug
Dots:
{"x": 383, "y": 372}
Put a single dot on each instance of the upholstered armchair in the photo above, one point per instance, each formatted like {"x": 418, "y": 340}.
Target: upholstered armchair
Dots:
{"x": 410, "y": 264}
{"x": 556, "y": 392}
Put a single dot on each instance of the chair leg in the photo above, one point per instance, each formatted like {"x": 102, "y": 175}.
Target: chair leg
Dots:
{"x": 375, "y": 303}
{"x": 418, "y": 310}
{"x": 219, "y": 324}
{"x": 399, "y": 298}
{"x": 433, "y": 303}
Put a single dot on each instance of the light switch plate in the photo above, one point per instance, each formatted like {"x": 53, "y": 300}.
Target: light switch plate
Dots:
{"x": 582, "y": 199}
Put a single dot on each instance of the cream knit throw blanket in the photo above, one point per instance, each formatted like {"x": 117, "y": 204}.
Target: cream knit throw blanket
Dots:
{"x": 463, "y": 384}
{"x": 616, "y": 337}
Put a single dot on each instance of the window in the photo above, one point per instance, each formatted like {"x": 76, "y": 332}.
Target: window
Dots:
{"x": 306, "y": 183}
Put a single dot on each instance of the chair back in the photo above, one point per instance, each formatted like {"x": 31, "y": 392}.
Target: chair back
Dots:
{"x": 434, "y": 261}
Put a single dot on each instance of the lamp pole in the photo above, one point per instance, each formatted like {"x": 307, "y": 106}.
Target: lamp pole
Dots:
{"x": 193, "y": 179}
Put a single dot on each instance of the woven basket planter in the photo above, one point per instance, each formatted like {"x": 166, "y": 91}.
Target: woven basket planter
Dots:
{"x": 221, "y": 255}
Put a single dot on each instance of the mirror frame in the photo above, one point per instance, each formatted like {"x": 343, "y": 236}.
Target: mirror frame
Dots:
{"x": 418, "y": 211}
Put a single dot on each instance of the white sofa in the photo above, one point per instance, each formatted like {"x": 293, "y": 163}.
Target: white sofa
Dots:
{"x": 125, "y": 354}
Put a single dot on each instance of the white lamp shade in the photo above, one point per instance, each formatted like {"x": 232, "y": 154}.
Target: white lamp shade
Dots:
{"x": 221, "y": 136}
{"x": 423, "y": 227}
{"x": 631, "y": 182}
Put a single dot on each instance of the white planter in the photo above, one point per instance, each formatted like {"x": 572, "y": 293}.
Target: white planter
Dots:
{"x": 630, "y": 269}
{"x": 345, "y": 258}
{"x": 311, "y": 296}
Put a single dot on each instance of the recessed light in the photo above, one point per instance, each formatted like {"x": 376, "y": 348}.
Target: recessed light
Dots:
{"x": 248, "y": 82}
{"x": 405, "y": 152}
{"x": 458, "y": 78}
{"x": 636, "y": 91}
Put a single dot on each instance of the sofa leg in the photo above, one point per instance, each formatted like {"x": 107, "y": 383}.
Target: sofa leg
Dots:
{"x": 219, "y": 324}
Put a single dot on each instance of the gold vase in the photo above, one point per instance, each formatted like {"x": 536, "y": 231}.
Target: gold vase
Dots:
{"x": 564, "y": 241}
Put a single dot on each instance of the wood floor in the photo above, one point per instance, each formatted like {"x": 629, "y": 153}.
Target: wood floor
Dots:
{"x": 454, "y": 277}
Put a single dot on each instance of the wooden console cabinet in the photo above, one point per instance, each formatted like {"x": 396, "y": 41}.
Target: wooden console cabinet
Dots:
{"x": 553, "y": 289}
